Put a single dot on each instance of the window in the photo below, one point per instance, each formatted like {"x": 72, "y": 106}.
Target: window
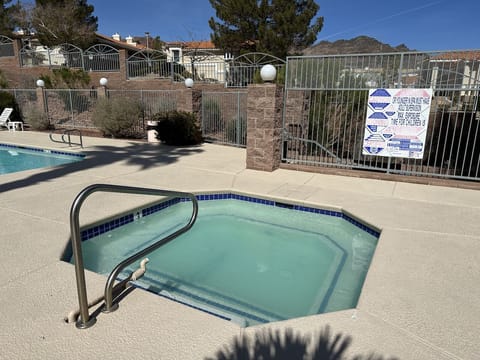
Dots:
{"x": 176, "y": 55}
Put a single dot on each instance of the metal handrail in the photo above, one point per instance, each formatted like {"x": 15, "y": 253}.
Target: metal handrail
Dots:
{"x": 67, "y": 132}
{"x": 85, "y": 321}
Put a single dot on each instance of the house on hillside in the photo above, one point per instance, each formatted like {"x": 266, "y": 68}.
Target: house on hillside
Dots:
{"x": 130, "y": 58}
{"x": 105, "y": 55}
{"x": 457, "y": 70}
{"x": 201, "y": 59}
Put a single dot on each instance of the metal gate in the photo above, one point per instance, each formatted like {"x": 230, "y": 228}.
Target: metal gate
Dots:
{"x": 224, "y": 117}
{"x": 326, "y": 105}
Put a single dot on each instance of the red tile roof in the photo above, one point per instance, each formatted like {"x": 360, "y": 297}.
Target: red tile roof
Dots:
{"x": 459, "y": 55}
{"x": 202, "y": 44}
{"x": 121, "y": 44}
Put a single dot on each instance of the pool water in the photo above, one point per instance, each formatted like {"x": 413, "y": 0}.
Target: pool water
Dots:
{"x": 18, "y": 158}
{"x": 247, "y": 262}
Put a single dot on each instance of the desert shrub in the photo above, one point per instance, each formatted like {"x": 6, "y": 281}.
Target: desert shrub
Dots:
{"x": 117, "y": 117}
{"x": 280, "y": 79}
{"x": 236, "y": 131}
{"x": 178, "y": 128}
{"x": 36, "y": 118}
{"x": 212, "y": 118}
{"x": 7, "y": 100}
{"x": 257, "y": 78}
{"x": 65, "y": 78}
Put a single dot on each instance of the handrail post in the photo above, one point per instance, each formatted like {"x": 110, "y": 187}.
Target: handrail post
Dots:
{"x": 85, "y": 321}
{"x": 68, "y": 132}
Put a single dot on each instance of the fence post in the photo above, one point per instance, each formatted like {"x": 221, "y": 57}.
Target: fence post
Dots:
{"x": 264, "y": 126}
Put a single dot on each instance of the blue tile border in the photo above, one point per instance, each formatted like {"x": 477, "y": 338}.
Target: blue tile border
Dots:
{"x": 103, "y": 228}
{"x": 106, "y": 227}
{"x": 45, "y": 151}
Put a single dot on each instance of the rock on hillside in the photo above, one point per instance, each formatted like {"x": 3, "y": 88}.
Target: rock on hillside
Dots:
{"x": 358, "y": 45}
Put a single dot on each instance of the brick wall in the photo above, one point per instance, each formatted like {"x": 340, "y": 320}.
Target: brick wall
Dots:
{"x": 264, "y": 126}
{"x": 25, "y": 77}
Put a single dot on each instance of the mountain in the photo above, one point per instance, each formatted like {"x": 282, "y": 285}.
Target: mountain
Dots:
{"x": 358, "y": 45}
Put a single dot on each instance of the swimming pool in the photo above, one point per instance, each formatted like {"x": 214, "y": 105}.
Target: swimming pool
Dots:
{"x": 14, "y": 158}
{"x": 246, "y": 259}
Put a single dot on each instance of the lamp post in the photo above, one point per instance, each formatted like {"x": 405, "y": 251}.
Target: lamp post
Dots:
{"x": 147, "y": 34}
{"x": 41, "y": 99}
{"x": 102, "y": 90}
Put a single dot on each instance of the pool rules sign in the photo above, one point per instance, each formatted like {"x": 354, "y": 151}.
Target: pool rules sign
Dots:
{"x": 397, "y": 121}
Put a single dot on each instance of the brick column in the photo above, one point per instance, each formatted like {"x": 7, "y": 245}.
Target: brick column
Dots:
{"x": 17, "y": 46}
{"x": 190, "y": 100}
{"x": 102, "y": 91}
{"x": 264, "y": 126}
{"x": 122, "y": 56}
{"x": 41, "y": 99}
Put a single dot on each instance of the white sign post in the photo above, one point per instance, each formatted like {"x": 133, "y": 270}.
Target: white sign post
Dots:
{"x": 397, "y": 121}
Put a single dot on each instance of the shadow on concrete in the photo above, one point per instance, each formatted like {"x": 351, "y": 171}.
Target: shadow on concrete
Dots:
{"x": 275, "y": 345}
{"x": 139, "y": 156}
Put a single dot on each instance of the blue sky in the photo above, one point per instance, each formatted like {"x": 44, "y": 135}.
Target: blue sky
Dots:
{"x": 419, "y": 24}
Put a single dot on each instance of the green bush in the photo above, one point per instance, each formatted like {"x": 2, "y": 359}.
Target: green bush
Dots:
{"x": 7, "y": 100}
{"x": 117, "y": 117}
{"x": 212, "y": 116}
{"x": 257, "y": 78}
{"x": 36, "y": 118}
{"x": 280, "y": 79}
{"x": 178, "y": 128}
{"x": 237, "y": 131}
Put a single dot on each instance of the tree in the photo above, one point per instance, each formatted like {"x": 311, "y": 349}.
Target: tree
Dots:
{"x": 65, "y": 21}
{"x": 7, "y": 20}
{"x": 278, "y": 27}
{"x": 156, "y": 44}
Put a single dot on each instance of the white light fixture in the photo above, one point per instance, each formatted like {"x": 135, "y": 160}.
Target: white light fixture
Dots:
{"x": 40, "y": 83}
{"x": 188, "y": 82}
{"x": 268, "y": 72}
{"x": 103, "y": 81}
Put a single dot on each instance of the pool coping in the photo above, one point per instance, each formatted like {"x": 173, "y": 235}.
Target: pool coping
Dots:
{"x": 42, "y": 150}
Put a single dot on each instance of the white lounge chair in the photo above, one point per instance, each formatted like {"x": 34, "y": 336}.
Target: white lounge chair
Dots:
{"x": 11, "y": 125}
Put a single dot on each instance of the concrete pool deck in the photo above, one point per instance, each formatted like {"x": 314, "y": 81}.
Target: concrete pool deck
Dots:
{"x": 421, "y": 298}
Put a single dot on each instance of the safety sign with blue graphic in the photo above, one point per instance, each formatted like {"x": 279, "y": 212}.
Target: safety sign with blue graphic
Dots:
{"x": 397, "y": 122}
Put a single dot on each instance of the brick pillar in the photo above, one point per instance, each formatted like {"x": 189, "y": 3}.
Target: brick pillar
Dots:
{"x": 190, "y": 100}
{"x": 102, "y": 91}
{"x": 17, "y": 46}
{"x": 264, "y": 126}
{"x": 41, "y": 99}
{"x": 185, "y": 100}
{"x": 122, "y": 56}
{"x": 197, "y": 105}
